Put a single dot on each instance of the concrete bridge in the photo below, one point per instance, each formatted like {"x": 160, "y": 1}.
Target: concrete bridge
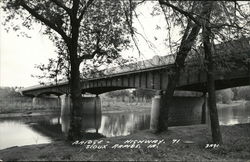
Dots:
{"x": 154, "y": 74}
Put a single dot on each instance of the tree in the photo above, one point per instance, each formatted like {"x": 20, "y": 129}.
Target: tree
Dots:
{"x": 80, "y": 29}
{"x": 188, "y": 39}
{"x": 207, "y": 43}
{"x": 119, "y": 94}
{"x": 225, "y": 96}
{"x": 144, "y": 93}
{"x": 218, "y": 20}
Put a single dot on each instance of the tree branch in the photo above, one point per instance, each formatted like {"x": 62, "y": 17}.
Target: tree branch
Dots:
{"x": 75, "y": 7}
{"x": 85, "y": 9}
{"x": 97, "y": 50}
{"x": 221, "y": 25}
{"x": 185, "y": 13}
{"x": 60, "y": 4}
{"x": 44, "y": 20}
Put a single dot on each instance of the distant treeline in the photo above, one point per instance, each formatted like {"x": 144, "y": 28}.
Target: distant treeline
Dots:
{"x": 132, "y": 95}
{"x": 12, "y": 101}
{"x": 6, "y": 92}
{"x": 238, "y": 93}
{"x": 223, "y": 96}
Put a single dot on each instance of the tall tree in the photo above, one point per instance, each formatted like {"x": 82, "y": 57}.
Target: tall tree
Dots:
{"x": 207, "y": 43}
{"x": 80, "y": 29}
{"x": 188, "y": 40}
{"x": 219, "y": 20}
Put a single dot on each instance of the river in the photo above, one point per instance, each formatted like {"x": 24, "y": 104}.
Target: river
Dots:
{"x": 21, "y": 131}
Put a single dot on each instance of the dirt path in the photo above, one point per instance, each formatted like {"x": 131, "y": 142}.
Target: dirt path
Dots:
{"x": 186, "y": 143}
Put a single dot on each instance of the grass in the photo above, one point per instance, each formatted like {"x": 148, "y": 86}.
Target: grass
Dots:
{"x": 235, "y": 148}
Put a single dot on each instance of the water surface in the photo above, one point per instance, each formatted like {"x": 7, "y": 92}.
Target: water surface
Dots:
{"x": 44, "y": 129}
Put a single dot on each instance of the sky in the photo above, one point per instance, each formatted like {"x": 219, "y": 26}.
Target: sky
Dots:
{"x": 19, "y": 55}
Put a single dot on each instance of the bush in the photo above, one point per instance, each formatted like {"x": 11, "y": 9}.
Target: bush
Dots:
{"x": 225, "y": 96}
{"x": 242, "y": 93}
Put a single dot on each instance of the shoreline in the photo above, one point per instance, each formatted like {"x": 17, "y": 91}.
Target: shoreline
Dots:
{"x": 180, "y": 143}
{"x": 191, "y": 147}
{"x": 106, "y": 110}
{"x": 125, "y": 108}
{"x": 233, "y": 104}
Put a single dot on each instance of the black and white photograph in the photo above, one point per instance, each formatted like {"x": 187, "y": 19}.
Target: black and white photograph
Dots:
{"x": 124, "y": 80}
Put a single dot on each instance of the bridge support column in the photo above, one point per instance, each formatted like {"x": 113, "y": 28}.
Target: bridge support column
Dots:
{"x": 35, "y": 102}
{"x": 65, "y": 105}
{"x": 58, "y": 102}
{"x": 92, "y": 108}
{"x": 184, "y": 110}
{"x": 204, "y": 109}
{"x": 155, "y": 110}
{"x": 90, "y": 112}
{"x": 91, "y": 105}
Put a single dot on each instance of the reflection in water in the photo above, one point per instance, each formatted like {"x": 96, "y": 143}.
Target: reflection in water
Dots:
{"x": 65, "y": 124}
{"x": 44, "y": 129}
{"x": 17, "y": 133}
{"x": 89, "y": 122}
{"x": 110, "y": 124}
{"x": 234, "y": 115}
{"x": 123, "y": 124}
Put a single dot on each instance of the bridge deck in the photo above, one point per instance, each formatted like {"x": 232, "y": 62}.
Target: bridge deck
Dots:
{"x": 153, "y": 73}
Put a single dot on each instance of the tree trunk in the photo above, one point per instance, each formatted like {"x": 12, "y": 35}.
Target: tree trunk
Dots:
{"x": 185, "y": 47}
{"x": 75, "y": 91}
{"x": 206, "y": 34}
{"x": 75, "y": 88}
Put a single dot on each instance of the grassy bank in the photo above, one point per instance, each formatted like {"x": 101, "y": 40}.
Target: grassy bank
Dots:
{"x": 125, "y": 106}
{"x": 187, "y": 143}
{"x": 22, "y": 106}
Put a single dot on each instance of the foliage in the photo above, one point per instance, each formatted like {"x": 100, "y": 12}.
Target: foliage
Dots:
{"x": 144, "y": 93}
{"x": 8, "y": 92}
{"x": 225, "y": 96}
{"x": 102, "y": 34}
{"x": 229, "y": 22}
{"x": 118, "y": 93}
{"x": 241, "y": 93}
{"x": 81, "y": 30}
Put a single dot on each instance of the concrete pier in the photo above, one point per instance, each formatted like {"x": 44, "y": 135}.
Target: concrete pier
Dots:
{"x": 182, "y": 111}
{"x": 90, "y": 113}
{"x": 155, "y": 111}
{"x": 90, "y": 105}
{"x": 35, "y": 102}
{"x": 65, "y": 105}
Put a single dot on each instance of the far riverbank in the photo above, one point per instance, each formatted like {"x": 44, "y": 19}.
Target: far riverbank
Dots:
{"x": 114, "y": 107}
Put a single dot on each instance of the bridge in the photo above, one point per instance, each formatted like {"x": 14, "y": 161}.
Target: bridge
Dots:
{"x": 154, "y": 73}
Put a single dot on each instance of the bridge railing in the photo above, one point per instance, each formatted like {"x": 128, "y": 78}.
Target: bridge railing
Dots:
{"x": 155, "y": 61}
{"x": 237, "y": 52}
{"x": 195, "y": 58}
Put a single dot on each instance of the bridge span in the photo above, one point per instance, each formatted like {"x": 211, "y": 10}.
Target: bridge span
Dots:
{"x": 154, "y": 74}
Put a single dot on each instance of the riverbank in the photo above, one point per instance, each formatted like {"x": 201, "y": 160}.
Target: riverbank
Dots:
{"x": 117, "y": 107}
{"x": 185, "y": 143}
{"x": 237, "y": 103}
